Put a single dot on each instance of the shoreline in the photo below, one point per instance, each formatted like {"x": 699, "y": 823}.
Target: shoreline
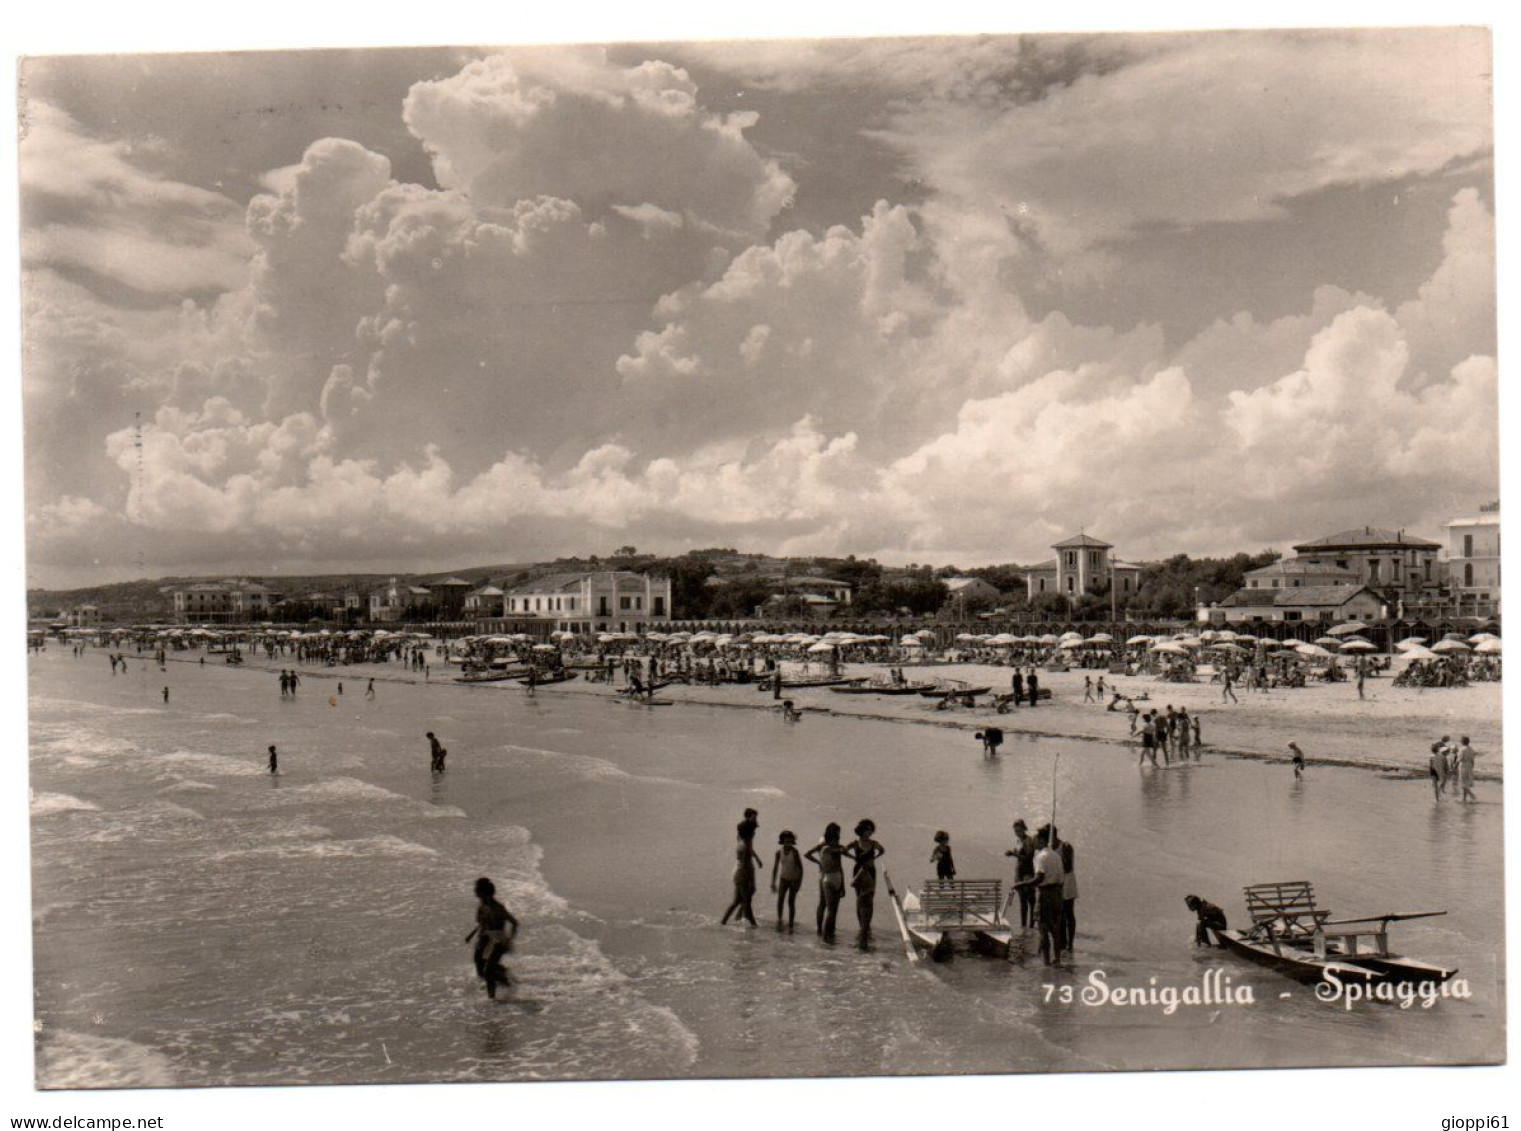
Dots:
{"x": 1232, "y": 723}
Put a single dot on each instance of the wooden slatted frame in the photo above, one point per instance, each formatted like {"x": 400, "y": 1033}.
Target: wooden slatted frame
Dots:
{"x": 961, "y": 903}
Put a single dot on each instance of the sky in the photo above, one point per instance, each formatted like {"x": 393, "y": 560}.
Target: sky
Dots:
{"x": 935, "y": 299}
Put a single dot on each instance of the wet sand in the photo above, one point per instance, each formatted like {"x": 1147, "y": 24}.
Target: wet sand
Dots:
{"x": 1389, "y": 731}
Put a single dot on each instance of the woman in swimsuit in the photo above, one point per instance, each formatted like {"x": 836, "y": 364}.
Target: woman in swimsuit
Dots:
{"x": 865, "y": 851}
{"x": 827, "y": 854}
{"x": 745, "y": 863}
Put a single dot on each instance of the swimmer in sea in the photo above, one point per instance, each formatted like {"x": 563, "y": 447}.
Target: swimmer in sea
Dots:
{"x": 791, "y": 713}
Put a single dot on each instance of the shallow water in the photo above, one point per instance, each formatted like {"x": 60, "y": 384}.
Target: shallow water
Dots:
{"x": 199, "y": 922}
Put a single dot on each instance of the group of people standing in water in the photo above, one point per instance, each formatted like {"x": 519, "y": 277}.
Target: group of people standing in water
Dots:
{"x": 787, "y": 876}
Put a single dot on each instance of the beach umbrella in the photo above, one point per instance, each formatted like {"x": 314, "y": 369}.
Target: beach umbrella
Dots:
{"x": 1490, "y": 647}
{"x": 1229, "y": 646}
{"x": 1410, "y": 642}
{"x": 966, "y": 638}
{"x": 1048, "y": 638}
{"x": 1480, "y": 637}
{"x": 1004, "y": 640}
{"x": 1420, "y": 652}
{"x": 1168, "y": 647}
{"x": 545, "y": 648}
{"x": 821, "y": 646}
{"x": 911, "y": 642}
{"x": 1344, "y": 629}
{"x": 1100, "y": 638}
{"x": 1449, "y": 645}
{"x": 1244, "y": 638}
{"x": 1328, "y": 642}
{"x": 1315, "y": 651}
{"x": 1357, "y": 646}
{"x": 1139, "y": 640}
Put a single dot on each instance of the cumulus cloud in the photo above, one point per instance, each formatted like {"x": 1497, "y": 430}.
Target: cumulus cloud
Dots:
{"x": 595, "y": 324}
{"x": 498, "y": 132}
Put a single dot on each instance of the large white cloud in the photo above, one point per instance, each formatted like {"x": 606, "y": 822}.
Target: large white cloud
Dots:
{"x": 590, "y": 329}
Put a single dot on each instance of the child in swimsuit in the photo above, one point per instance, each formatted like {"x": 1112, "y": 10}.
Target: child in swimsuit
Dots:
{"x": 940, "y": 857}
{"x": 786, "y": 877}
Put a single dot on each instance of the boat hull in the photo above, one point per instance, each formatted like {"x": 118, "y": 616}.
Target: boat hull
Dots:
{"x": 1303, "y": 966}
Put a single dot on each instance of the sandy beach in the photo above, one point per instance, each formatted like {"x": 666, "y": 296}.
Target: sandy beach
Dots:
{"x": 1390, "y": 731}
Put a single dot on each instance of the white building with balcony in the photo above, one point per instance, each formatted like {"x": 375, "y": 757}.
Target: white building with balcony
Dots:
{"x": 1473, "y": 562}
{"x": 602, "y": 601}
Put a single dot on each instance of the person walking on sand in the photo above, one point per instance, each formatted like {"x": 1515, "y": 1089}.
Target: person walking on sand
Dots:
{"x": 1466, "y": 755}
{"x": 828, "y": 855}
{"x": 1362, "y": 675}
{"x": 492, "y": 937}
{"x": 1087, "y": 689}
{"x": 1032, "y": 688}
{"x": 1298, "y": 761}
{"x": 865, "y": 852}
{"x": 745, "y": 863}
{"x": 1019, "y": 688}
{"x": 274, "y": 761}
{"x": 1024, "y": 855}
{"x": 1228, "y": 687}
{"x": 369, "y": 691}
{"x": 786, "y": 877}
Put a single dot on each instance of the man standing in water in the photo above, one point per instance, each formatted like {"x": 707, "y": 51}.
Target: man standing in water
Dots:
{"x": 274, "y": 761}
{"x": 1024, "y": 868}
{"x": 492, "y": 939}
{"x": 438, "y": 751}
{"x": 1211, "y": 918}
{"x": 1048, "y": 882}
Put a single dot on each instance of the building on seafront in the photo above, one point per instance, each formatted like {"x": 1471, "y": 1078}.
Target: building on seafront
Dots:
{"x": 1400, "y": 567}
{"x": 233, "y": 601}
{"x": 399, "y": 600}
{"x": 597, "y": 601}
{"x": 1083, "y": 564}
{"x": 1324, "y": 603}
{"x": 1473, "y": 563}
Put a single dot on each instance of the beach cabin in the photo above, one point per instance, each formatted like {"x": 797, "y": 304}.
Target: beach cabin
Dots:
{"x": 1328, "y": 603}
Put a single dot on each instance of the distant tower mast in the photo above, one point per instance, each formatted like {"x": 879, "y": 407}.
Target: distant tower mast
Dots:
{"x": 137, "y": 506}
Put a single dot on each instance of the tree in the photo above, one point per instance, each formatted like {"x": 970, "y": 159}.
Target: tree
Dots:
{"x": 625, "y": 552}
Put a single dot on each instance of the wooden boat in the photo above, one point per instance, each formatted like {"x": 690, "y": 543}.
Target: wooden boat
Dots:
{"x": 549, "y": 680}
{"x": 882, "y": 689}
{"x": 491, "y": 675}
{"x": 1293, "y": 936}
{"x": 797, "y": 684}
{"x": 954, "y": 692}
{"x": 949, "y": 915}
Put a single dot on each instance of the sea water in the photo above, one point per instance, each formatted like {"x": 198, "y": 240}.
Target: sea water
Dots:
{"x": 198, "y": 921}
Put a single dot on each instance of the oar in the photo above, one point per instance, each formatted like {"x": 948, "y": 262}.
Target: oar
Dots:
{"x": 1383, "y": 918}
{"x": 908, "y": 939}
